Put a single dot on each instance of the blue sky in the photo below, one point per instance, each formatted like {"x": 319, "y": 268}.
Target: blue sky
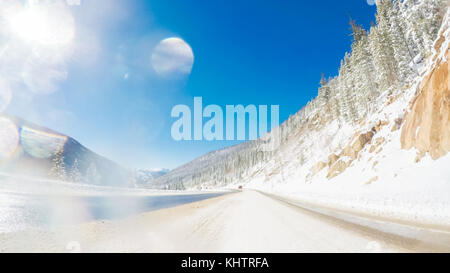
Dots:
{"x": 245, "y": 52}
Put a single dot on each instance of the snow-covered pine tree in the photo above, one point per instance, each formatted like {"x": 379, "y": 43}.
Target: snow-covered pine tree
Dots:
{"x": 334, "y": 101}
{"x": 58, "y": 170}
{"x": 74, "y": 174}
{"x": 379, "y": 57}
{"x": 342, "y": 103}
{"x": 180, "y": 186}
{"x": 357, "y": 31}
{"x": 402, "y": 53}
{"x": 323, "y": 98}
{"x": 412, "y": 18}
{"x": 432, "y": 13}
{"x": 365, "y": 89}
{"x": 323, "y": 95}
{"x": 347, "y": 86}
{"x": 381, "y": 46}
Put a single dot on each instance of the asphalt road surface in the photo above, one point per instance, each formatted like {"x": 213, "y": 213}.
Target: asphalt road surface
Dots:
{"x": 246, "y": 221}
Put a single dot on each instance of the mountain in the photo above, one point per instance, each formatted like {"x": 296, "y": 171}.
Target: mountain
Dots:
{"x": 144, "y": 177}
{"x": 42, "y": 152}
{"x": 376, "y": 138}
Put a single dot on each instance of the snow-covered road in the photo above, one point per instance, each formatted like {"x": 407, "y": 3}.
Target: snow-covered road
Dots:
{"x": 247, "y": 221}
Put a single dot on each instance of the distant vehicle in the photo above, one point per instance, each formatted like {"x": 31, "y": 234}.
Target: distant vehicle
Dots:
{"x": 240, "y": 188}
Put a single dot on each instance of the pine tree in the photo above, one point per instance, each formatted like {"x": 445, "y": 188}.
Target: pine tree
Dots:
{"x": 346, "y": 88}
{"x": 413, "y": 20}
{"x": 324, "y": 92}
{"x": 402, "y": 53}
{"x": 58, "y": 170}
{"x": 357, "y": 31}
{"x": 333, "y": 101}
{"x": 75, "y": 175}
{"x": 381, "y": 46}
{"x": 361, "y": 59}
{"x": 432, "y": 12}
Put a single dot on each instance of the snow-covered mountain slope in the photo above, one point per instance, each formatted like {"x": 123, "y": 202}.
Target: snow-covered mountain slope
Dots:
{"x": 375, "y": 140}
{"x": 396, "y": 165}
{"x": 143, "y": 177}
{"x": 36, "y": 151}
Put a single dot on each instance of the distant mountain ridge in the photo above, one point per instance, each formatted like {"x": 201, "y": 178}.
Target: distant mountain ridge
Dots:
{"x": 143, "y": 177}
{"x": 39, "y": 148}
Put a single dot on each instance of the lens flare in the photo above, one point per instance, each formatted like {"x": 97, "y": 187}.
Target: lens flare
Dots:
{"x": 172, "y": 56}
{"x": 41, "y": 144}
{"x": 49, "y": 24}
{"x": 9, "y": 138}
{"x": 5, "y": 95}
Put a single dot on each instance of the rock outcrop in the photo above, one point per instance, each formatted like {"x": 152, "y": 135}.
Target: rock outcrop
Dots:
{"x": 339, "y": 163}
{"x": 339, "y": 167}
{"x": 427, "y": 125}
{"x": 332, "y": 159}
{"x": 318, "y": 167}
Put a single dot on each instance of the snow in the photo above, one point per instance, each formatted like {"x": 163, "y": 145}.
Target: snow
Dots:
{"x": 241, "y": 222}
{"x": 404, "y": 190}
{"x": 387, "y": 183}
{"x": 418, "y": 58}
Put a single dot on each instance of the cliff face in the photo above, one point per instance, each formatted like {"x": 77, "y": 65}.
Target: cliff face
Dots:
{"x": 427, "y": 125}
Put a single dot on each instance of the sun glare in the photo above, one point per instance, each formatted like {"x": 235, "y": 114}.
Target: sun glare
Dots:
{"x": 44, "y": 25}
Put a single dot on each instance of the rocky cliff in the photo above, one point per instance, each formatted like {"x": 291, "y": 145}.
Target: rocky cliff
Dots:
{"x": 427, "y": 124}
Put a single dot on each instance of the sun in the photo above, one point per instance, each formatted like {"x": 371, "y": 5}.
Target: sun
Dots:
{"x": 43, "y": 24}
